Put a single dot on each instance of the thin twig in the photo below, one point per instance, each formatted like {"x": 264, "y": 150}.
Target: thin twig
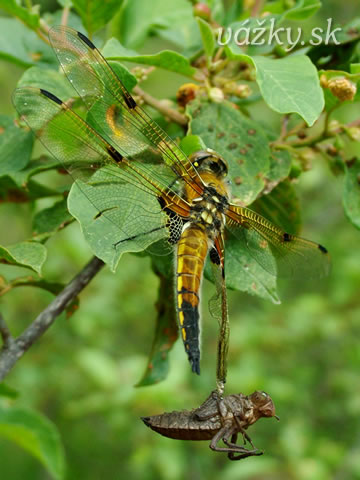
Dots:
{"x": 314, "y": 139}
{"x": 158, "y": 105}
{"x": 15, "y": 349}
{"x": 5, "y": 333}
{"x": 65, "y": 16}
{"x": 299, "y": 126}
{"x": 256, "y": 8}
{"x": 284, "y": 125}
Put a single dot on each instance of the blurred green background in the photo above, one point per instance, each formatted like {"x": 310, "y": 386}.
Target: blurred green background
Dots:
{"x": 304, "y": 352}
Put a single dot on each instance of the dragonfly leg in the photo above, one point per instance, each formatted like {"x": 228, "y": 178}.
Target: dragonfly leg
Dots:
{"x": 243, "y": 432}
{"x": 236, "y": 455}
{"x": 234, "y": 451}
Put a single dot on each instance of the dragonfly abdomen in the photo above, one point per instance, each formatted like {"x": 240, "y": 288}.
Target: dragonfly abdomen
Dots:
{"x": 183, "y": 425}
{"x": 191, "y": 253}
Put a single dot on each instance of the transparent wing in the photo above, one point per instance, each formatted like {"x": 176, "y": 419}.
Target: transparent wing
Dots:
{"x": 112, "y": 109}
{"x": 121, "y": 189}
{"x": 278, "y": 252}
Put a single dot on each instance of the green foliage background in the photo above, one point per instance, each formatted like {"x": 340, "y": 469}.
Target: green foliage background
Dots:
{"x": 81, "y": 374}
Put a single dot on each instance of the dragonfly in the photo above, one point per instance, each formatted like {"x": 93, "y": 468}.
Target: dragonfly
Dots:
{"x": 186, "y": 200}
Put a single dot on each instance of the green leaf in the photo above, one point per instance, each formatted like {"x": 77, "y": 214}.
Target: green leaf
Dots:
{"x": 339, "y": 49}
{"x": 233, "y": 13}
{"x": 35, "y": 434}
{"x": 30, "y": 18}
{"x": 51, "y": 219}
{"x": 282, "y": 207}
{"x": 239, "y": 140}
{"x": 65, "y": 3}
{"x": 126, "y": 77}
{"x": 95, "y": 14}
{"x": 191, "y": 144}
{"x": 351, "y": 193}
{"x": 167, "y": 59}
{"x": 15, "y": 146}
{"x": 6, "y": 391}
{"x": 302, "y": 10}
{"x": 22, "y": 177}
{"x": 140, "y": 18}
{"x": 166, "y": 329}
{"x": 117, "y": 230}
{"x": 49, "y": 80}
{"x": 12, "y": 191}
{"x": 288, "y": 85}
{"x": 280, "y": 166}
{"x": 208, "y": 39}
{"x": 25, "y": 254}
{"x": 30, "y": 281}
{"x": 22, "y": 46}
{"x": 243, "y": 273}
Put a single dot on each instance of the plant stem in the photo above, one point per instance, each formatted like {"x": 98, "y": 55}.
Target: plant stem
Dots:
{"x": 172, "y": 114}
{"x": 14, "y": 349}
{"x": 6, "y": 336}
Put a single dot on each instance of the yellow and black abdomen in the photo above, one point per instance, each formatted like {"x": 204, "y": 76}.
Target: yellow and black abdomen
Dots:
{"x": 191, "y": 253}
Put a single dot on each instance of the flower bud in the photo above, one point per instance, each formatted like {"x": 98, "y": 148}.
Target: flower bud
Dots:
{"x": 353, "y": 133}
{"x": 216, "y": 95}
{"x": 202, "y": 10}
{"x": 342, "y": 88}
{"x": 186, "y": 93}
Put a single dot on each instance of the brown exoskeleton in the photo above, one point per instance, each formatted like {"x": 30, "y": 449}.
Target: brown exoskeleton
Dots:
{"x": 217, "y": 419}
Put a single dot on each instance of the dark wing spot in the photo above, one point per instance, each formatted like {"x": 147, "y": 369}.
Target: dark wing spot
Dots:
{"x": 214, "y": 256}
{"x": 86, "y": 40}
{"x": 322, "y": 249}
{"x": 98, "y": 215}
{"x": 51, "y": 96}
{"x": 114, "y": 154}
{"x": 130, "y": 102}
{"x": 287, "y": 237}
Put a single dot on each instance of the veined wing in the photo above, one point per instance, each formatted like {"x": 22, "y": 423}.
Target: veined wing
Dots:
{"x": 112, "y": 109}
{"x": 91, "y": 159}
{"x": 278, "y": 252}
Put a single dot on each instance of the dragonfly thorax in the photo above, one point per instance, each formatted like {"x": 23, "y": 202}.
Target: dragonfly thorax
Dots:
{"x": 208, "y": 210}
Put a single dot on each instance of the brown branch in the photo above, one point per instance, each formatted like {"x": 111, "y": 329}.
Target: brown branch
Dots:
{"x": 174, "y": 115}
{"x": 14, "y": 349}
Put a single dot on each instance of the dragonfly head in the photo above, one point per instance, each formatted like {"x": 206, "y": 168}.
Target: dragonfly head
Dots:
{"x": 210, "y": 161}
{"x": 263, "y": 404}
